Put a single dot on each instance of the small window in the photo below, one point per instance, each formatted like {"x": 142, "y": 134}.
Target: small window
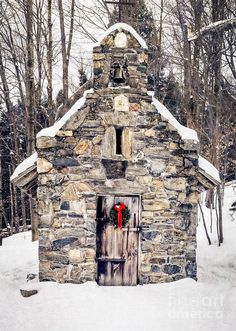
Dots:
{"x": 119, "y": 141}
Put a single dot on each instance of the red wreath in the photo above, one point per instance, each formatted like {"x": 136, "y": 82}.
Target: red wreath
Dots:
{"x": 119, "y": 215}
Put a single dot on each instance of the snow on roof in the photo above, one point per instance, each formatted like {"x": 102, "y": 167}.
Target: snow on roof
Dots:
{"x": 185, "y": 133}
{"x": 126, "y": 27}
{"x": 208, "y": 168}
{"x": 26, "y": 164}
{"x": 52, "y": 130}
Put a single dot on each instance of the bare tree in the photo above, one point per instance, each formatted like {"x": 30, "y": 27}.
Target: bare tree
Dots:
{"x": 66, "y": 47}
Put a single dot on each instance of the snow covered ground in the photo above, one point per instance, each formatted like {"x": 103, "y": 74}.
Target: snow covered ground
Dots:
{"x": 209, "y": 304}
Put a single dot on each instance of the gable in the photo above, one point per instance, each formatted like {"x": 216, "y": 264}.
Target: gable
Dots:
{"x": 79, "y": 114}
{"x": 118, "y": 28}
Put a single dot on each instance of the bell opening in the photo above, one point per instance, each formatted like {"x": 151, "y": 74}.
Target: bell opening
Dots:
{"x": 118, "y": 75}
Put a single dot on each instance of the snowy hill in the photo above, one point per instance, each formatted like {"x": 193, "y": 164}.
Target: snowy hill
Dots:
{"x": 206, "y": 305}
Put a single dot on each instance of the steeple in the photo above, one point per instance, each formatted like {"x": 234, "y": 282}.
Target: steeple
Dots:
{"x": 120, "y": 59}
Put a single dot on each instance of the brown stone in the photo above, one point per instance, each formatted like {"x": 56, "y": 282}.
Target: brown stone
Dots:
{"x": 108, "y": 41}
{"x": 82, "y": 147}
{"x": 76, "y": 256}
{"x": 177, "y": 184}
{"x": 67, "y": 133}
{"x": 108, "y": 145}
{"x": 70, "y": 193}
{"x": 158, "y": 184}
{"x": 99, "y": 56}
{"x": 193, "y": 197}
{"x": 96, "y": 151}
{"x": 143, "y": 57}
{"x": 46, "y": 142}
{"x": 160, "y": 204}
{"x": 43, "y": 165}
{"x": 97, "y": 139}
{"x": 83, "y": 187}
{"x": 89, "y": 254}
{"x": 135, "y": 107}
{"x": 173, "y": 146}
{"x": 146, "y": 180}
{"x": 126, "y": 143}
{"x": 75, "y": 273}
{"x": 157, "y": 260}
{"x": 150, "y": 133}
{"x": 182, "y": 197}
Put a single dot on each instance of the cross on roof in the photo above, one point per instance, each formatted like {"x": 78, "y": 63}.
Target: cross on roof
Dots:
{"x": 120, "y": 4}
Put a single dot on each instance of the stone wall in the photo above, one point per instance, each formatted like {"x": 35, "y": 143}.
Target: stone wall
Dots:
{"x": 80, "y": 163}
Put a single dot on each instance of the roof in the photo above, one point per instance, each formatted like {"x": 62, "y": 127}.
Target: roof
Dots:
{"x": 207, "y": 169}
{"x": 184, "y": 132}
{"x": 126, "y": 27}
{"x": 26, "y": 164}
{"x": 25, "y": 174}
{"x": 52, "y": 130}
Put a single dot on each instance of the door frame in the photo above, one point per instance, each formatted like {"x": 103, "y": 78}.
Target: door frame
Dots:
{"x": 139, "y": 196}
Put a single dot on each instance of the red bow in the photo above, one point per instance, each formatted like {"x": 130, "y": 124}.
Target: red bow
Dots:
{"x": 119, "y": 208}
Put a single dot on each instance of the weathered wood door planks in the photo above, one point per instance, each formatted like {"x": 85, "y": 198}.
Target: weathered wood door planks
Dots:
{"x": 117, "y": 249}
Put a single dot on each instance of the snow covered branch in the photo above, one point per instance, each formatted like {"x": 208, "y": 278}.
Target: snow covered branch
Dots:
{"x": 219, "y": 25}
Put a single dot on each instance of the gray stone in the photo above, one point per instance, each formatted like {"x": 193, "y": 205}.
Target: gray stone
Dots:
{"x": 171, "y": 269}
{"x": 155, "y": 268}
{"x": 60, "y": 243}
{"x": 191, "y": 270}
{"x": 185, "y": 207}
{"x": 65, "y": 205}
{"x": 150, "y": 235}
{"x": 182, "y": 224}
{"x": 28, "y": 293}
{"x": 63, "y": 162}
{"x": 114, "y": 169}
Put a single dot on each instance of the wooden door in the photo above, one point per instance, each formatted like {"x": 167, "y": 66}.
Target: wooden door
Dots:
{"x": 117, "y": 249}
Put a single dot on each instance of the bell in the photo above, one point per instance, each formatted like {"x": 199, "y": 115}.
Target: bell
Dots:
{"x": 119, "y": 76}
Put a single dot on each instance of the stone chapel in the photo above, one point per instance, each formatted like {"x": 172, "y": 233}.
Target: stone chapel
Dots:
{"x": 117, "y": 147}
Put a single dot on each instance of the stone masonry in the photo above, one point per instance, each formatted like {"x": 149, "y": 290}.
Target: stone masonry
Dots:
{"x": 80, "y": 163}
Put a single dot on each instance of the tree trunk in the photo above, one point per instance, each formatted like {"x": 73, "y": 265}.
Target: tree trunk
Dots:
{"x": 186, "y": 62}
{"x": 49, "y": 64}
{"x": 220, "y": 215}
{"x": 22, "y": 197}
{"x": 204, "y": 223}
{"x": 66, "y": 49}
{"x": 34, "y": 219}
{"x": 11, "y": 205}
{"x": 64, "y": 54}
{"x": 30, "y": 83}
